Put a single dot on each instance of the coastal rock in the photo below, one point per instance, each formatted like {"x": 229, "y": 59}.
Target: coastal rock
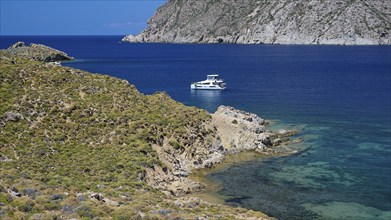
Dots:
{"x": 240, "y": 130}
{"x": 229, "y": 131}
{"x": 270, "y": 22}
{"x": 133, "y": 38}
{"x": 38, "y": 52}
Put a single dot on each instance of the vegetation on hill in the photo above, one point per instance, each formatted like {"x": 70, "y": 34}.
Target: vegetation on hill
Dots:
{"x": 77, "y": 145}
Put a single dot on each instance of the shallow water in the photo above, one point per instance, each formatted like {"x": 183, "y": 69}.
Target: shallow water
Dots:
{"x": 339, "y": 97}
{"x": 340, "y": 176}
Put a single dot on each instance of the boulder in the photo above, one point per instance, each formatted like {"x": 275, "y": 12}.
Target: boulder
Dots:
{"x": 16, "y": 45}
{"x": 13, "y": 117}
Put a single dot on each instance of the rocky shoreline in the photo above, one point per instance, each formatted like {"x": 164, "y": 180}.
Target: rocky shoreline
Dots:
{"x": 237, "y": 131}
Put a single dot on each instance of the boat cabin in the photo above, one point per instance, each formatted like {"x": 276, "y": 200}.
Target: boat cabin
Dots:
{"x": 212, "y": 77}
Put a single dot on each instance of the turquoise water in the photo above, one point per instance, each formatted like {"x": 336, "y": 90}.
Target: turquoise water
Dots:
{"x": 337, "y": 96}
{"x": 343, "y": 174}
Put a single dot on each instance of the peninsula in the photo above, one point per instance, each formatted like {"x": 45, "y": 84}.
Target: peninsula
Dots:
{"x": 339, "y": 22}
{"x": 81, "y": 145}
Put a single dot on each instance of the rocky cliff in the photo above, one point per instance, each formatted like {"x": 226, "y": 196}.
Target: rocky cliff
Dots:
{"x": 342, "y": 22}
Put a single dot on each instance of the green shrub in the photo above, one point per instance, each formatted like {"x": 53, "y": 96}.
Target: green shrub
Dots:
{"x": 85, "y": 211}
{"x": 175, "y": 144}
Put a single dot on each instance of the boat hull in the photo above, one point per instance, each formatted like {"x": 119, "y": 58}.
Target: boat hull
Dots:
{"x": 207, "y": 87}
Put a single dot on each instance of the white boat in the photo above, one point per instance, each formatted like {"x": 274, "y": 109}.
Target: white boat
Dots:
{"x": 212, "y": 82}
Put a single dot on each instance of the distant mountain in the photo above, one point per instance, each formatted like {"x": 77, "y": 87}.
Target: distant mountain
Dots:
{"x": 342, "y": 22}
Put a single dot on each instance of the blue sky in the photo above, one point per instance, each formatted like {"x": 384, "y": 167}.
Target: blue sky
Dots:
{"x": 83, "y": 17}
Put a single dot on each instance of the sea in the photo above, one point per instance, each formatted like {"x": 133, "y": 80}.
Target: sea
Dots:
{"x": 338, "y": 98}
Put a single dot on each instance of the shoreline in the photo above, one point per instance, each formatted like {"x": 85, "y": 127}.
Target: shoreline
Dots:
{"x": 210, "y": 193}
{"x": 130, "y": 39}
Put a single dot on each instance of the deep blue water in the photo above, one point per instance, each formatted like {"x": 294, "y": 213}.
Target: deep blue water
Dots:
{"x": 340, "y": 96}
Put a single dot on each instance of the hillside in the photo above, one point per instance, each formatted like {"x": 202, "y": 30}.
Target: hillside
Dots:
{"x": 80, "y": 145}
{"x": 342, "y": 22}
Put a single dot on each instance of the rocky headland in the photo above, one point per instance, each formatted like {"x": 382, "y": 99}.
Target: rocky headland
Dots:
{"x": 38, "y": 52}
{"x": 82, "y": 145}
{"x": 339, "y": 22}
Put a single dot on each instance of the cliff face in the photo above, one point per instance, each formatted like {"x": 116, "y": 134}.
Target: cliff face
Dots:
{"x": 349, "y": 22}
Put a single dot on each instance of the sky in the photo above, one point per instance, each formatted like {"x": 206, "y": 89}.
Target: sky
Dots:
{"x": 75, "y": 17}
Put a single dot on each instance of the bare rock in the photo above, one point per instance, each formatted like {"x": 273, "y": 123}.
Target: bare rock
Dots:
{"x": 240, "y": 130}
{"x": 13, "y": 117}
{"x": 270, "y": 22}
{"x": 17, "y": 45}
{"x": 99, "y": 197}
{"x": 133, "y": 38}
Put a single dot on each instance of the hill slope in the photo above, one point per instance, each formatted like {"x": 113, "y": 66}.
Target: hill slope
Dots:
{"x": 80, "y": 145}
{"x": 270, "y": 22}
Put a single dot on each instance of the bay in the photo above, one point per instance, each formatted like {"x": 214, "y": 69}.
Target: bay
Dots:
{"x": 338, "y": 96}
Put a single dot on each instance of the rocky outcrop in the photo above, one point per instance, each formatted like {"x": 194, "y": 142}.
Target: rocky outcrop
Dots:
{"x": 241, "y": 130}
{"x": 229, "y": 131}
{"x": 342, "y": 22}
{"x": 38, "y": 52}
